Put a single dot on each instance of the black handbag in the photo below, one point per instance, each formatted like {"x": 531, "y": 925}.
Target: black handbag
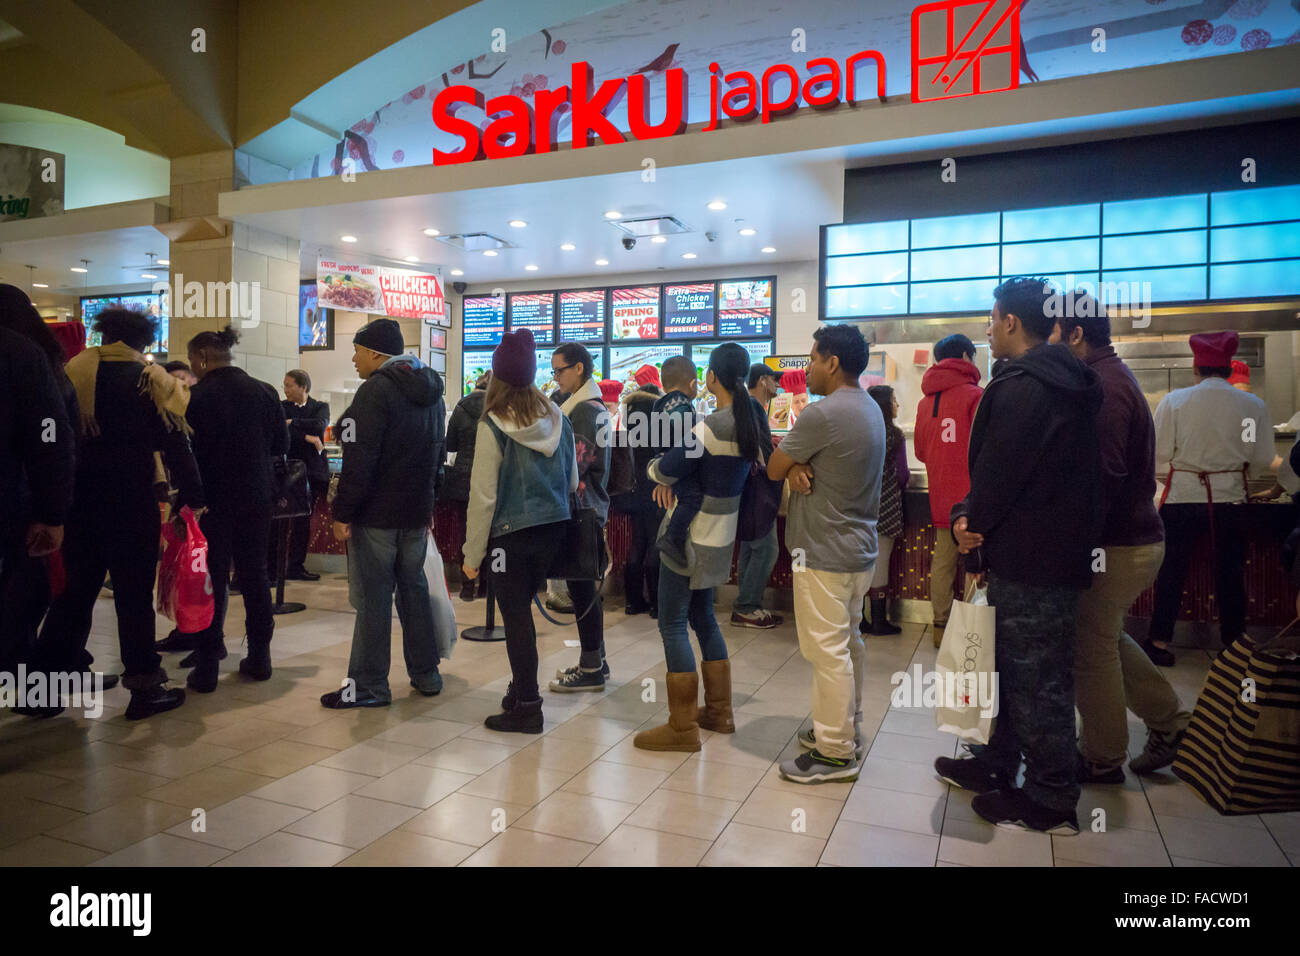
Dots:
{"x": 290, "y": 491}
{"x": 580, "y": 555}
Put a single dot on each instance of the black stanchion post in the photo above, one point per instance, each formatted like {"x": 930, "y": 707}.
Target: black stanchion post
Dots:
{"x": 489, "y": 632}
{"x": 281, "y": 569}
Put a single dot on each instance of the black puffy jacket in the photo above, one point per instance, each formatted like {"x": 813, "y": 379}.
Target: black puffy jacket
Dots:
{"x": 462, "y": 432}
{"x": 393, "y": 438}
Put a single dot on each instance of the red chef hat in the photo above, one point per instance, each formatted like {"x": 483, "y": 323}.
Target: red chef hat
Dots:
{"x": 611, "y": 391}
{"x": 1240, "y": 373}
{"x": 795, "y": 381}
{"x": 1213, "y": 349}
{"x": 647, "y": 375}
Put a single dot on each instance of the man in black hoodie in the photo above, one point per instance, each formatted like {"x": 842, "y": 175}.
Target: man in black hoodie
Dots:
{"x": 1033, "y": 512}
{"x": 393, "y": 437}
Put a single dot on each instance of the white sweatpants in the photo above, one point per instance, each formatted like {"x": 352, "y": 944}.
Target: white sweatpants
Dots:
{"x": 827, "y": 608}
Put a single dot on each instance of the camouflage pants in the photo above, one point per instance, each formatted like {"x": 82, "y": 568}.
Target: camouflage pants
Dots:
{"x": 1034, "y": 647}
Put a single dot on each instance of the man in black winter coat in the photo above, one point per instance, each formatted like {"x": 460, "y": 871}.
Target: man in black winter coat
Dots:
{"x": 1033, "y": 511}
{"x": 307, "y": 419}
{"x": 393, "y": 439}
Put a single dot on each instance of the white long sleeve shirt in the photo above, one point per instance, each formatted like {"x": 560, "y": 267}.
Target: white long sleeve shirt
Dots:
{"x": 1211, "y": 427}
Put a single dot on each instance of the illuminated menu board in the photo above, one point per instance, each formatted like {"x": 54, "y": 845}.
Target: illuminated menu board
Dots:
{"x": 534, "y": 311}
{"x": 744, "y": 307}
{"x": 582, "y": 315}
{"x": 485, "y": 320}
{"x": 474, "y": 365}
{"x": 634, "y": 313}
{"x": 688, "y": 310}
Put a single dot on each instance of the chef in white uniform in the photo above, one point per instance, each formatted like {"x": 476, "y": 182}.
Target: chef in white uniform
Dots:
{"x": 1210, "y": 437}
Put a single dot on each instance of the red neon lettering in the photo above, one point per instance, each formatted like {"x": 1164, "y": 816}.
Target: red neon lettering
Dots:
{"x": 748, "y": 91}
{"x": 822, "y": 101}
{"x": 589, "y": 109}
{"x": 849, "y": 74}
{"x": 444, "y": 118}
{"x": 638, "y": 106}
{"x": 513, "y": 117}
{"x": 546, "y": 121}
{"x": 791, "y": 102}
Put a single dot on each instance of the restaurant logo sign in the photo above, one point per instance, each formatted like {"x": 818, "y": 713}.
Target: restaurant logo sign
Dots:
{"x": 959, "y": 48}
{"x": 31, "y": 183}
{"x": 381, "y": 290}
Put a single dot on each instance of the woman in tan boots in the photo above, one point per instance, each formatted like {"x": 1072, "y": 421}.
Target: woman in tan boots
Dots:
{"x": 715, "y": 458}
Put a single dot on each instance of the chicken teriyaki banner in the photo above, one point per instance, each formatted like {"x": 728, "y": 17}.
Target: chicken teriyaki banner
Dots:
{"x": 381, "y": 290}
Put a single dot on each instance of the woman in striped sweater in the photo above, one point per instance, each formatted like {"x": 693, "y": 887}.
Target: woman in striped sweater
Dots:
{"x": 718, "y": 459}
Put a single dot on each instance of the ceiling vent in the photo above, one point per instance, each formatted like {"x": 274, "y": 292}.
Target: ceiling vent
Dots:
{"x": 653, "y": 226}
{"x": 475, "y": 241}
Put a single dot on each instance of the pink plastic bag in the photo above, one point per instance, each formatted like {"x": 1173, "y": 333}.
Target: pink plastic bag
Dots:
{"x": 184, "y": 585}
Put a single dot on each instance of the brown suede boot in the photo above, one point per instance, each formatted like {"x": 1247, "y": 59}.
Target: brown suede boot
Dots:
{"x": 682, "y": 732}
{"x": 716, "y": 713}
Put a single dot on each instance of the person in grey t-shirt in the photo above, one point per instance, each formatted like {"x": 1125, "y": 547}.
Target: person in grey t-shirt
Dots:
{"x": 833, "y": 459}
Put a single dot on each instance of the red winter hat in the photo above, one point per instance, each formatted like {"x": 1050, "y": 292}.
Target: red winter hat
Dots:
{"x": 1240, "y": 373}
{"x": 795, "y": 381}
{"x": 515, "y": 359}
{"x": 647, "y": 375}
{"x": 611, "y": 391}
{"x": 1213, "y": 349}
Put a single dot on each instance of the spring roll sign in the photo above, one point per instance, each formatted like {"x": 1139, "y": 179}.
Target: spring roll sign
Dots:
{"x": 380, "y": 290}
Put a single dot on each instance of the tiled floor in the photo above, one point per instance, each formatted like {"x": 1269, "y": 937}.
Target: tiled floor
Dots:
{"x": 258, "y": 774}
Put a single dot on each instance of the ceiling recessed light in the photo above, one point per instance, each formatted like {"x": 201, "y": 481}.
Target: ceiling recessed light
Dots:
{"x": 747, "y": 231}
{"x": 517, "y": 223}
{"x": 164, "y": 262}
{"x": 613, "y": 214}
{"x": 147, "y": 275}
{"x": 658, "y": 239}
{"x": 530, "y": 267}
{"x": 412, "y": 258}
{"x": 431, "y": 232}
{"x": 347, "y": 238}
{"x": 769, "y": 248}
{"x": 39, "y": 285}
{"x": 568, "y": 246}
{"x": 688, "y": 255}
{"x": 490, "y": 253}
{"x": 77, "y": 269}
{"x": 458, "y": 272}
{"x": 717, "y": 205}
{"x": 602, "y": 262}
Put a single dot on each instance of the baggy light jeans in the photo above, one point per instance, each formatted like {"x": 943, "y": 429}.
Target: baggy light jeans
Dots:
{"x": 1110, "y": 669}
{"x": 827, "y": 607}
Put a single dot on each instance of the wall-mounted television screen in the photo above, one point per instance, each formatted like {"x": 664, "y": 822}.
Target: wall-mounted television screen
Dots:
{"x": 744, "y": 307}
{"x": 485, "y": 320}
{"x": 534, "y": 311}
{"x": 150, "y": 303}
{"x": 315, "y": 324}
{"x": 634, "y": 313}
{"x": 688, "y": 310}
{"x": 582, "y": 315}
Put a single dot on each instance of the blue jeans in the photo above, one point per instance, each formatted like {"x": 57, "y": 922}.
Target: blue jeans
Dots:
{"x": 754, "y": 567}
{"x": 678, "y": 606}
{"x": 381, "y": 561}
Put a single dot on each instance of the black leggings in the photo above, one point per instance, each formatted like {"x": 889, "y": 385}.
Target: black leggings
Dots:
{"x": 641, "y": 573}
{"x": 515, "y": 580}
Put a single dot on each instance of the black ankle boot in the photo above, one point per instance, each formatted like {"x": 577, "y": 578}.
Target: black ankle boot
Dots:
{"x": 467, "y": 589}
{"x": 880, "y": 619}
{"x": 154, "y": 700}
{"x": 257, "y": 664}
{"x": 524, "y": 718}
{"x": 203, "y": 678}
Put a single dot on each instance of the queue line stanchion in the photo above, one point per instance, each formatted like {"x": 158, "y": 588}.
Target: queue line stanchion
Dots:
{"x": 489, "y": 631}
{"x": 280, "y": 605}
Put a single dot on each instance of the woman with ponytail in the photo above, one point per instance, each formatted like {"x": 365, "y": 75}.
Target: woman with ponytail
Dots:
{"x": 717, "y": 455}
{"x": 238, "y": 428}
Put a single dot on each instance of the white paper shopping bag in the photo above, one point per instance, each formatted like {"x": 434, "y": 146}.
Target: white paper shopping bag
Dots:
{"x": 966, "y": 671}
{"x": 444, "y": 615}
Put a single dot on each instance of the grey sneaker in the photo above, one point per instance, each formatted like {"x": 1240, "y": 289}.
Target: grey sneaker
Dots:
{"x": 815, "y": 767}
{"x": 1158, "y": 753}
{"x": 578, "y": 680}
{"x": 604, "y": 670}
{"x": 808, "y": 741}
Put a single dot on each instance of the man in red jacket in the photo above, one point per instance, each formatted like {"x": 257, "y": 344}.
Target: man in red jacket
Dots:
{"x": 943, "y": 422}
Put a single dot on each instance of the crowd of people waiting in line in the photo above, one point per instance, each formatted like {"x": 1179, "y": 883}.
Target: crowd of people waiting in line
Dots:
{"x": 1053, "y": 462}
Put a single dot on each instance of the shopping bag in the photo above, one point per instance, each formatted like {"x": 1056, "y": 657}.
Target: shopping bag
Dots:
{"x": 1241, "y": 752}
{"x": 444, "y": 615}
{"x": 184, "y": 585}
{"x": 966, "y": 671}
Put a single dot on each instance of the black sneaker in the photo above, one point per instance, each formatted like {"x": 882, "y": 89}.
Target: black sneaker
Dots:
{"x": 524, "y": 718}
{"x": 604, "y": 670}
{"x": 1011, "y": 809}
{"x": 969, "y": 773}
{"x": 334, "y": 700}
{"x": 1159, "y": 752}
{"x": 577, "y": 679}
{"x": 813, "y": 766}
{"x": 1091, "y": 773}
{"x": 155, "y": 700}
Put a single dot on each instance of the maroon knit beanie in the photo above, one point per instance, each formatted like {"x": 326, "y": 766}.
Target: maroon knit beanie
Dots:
{"x": 515, "y": 359}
